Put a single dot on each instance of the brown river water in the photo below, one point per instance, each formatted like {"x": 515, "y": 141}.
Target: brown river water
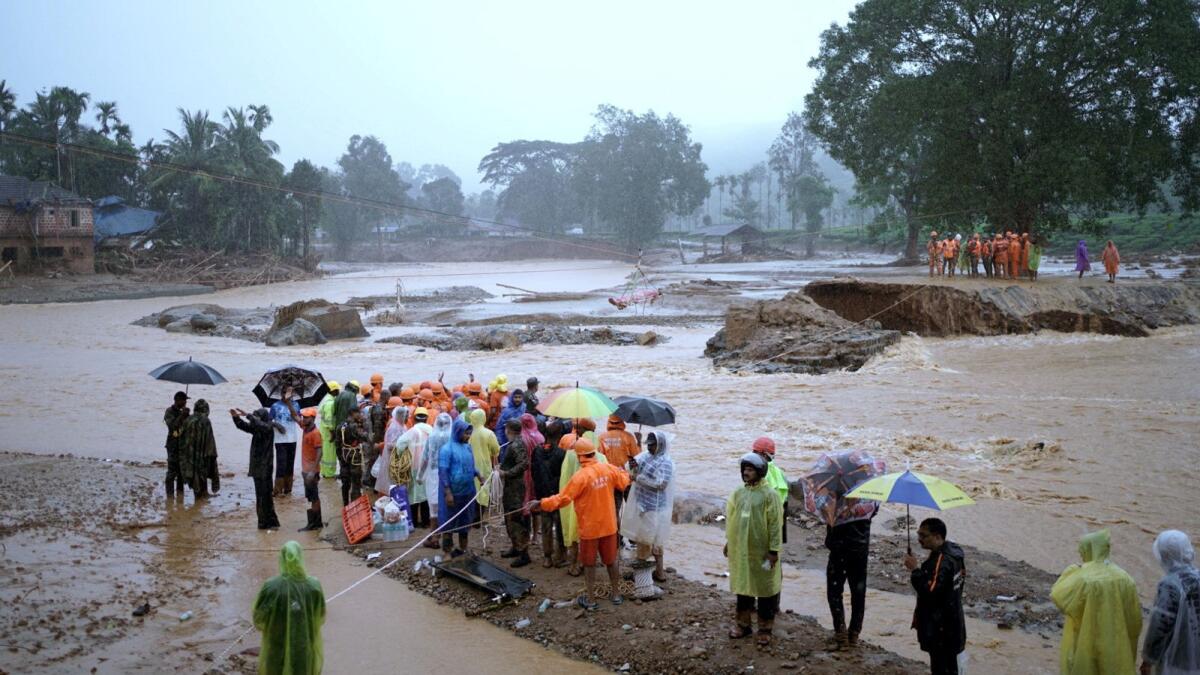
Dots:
{"x": 1121, "y": 416}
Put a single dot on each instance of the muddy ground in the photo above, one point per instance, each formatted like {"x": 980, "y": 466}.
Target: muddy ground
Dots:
{"x": 512, "y": 337}
{"x": 684, "y": 632}
{"x": 29, "y": 289}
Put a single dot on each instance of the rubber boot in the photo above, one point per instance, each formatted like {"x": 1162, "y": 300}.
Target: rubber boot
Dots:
{"x": 309, "y": 525}
{"x": 170, "y": 489}
{"x": 179, "y": 491}
{"x": 841, "y": 639}
{"x": 522, "y": 559}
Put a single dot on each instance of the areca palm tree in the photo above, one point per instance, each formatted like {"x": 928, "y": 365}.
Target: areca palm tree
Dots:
{"x": 720, "y": 181}
{"x": 8, "y": 104}
{"x": 106, "y": 113}
{"x": 260, "y": 117}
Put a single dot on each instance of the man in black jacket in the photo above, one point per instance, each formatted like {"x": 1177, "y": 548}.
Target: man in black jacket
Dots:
{"x": 941, "y": 628}
{"x": 262, "y": 451}
{"x": 848, "y": 546}
{"x": 174, "y": 418}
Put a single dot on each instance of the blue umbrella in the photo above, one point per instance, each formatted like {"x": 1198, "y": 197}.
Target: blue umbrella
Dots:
{"x": 187, "y": 373}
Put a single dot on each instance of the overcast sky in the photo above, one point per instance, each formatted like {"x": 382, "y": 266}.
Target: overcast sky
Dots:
{"x": 437, "y": 82}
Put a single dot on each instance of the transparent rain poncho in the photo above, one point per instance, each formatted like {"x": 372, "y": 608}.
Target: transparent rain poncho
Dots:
{"x": 1102, "y": 610}
{"x": 1173, "y": 637}
{"x": 428, "y": 471}
{"x": 646, "y": 516}
{"x": 289, "y": 611}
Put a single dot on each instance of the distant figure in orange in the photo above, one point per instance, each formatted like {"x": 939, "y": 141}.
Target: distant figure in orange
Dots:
{"x": 1112, "y": 261}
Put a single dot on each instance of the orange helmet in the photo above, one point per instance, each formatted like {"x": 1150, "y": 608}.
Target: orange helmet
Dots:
{"x": 394, "y": 402}
{"x": 406, "y": 394}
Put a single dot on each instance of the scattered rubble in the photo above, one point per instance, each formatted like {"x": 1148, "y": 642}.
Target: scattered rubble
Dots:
{"x": 209, "y": 319}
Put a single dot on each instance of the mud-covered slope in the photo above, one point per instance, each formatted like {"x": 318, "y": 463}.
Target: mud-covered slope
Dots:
{"x": 794, "y": 334}
{"x": 1130, "y": 309}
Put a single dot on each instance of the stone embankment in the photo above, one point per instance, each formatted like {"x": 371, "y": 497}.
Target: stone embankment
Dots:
{"x": 1130, "y": 309}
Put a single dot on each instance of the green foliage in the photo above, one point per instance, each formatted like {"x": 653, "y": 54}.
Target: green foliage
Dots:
{"x": 1017, "y": 112}
{"x": 536, "y": 177}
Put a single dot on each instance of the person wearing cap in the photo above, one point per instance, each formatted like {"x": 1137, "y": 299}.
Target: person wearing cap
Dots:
{"x": 590, "y": 490}
{"x": 310, "y": 467}
{"x": 174, "y": 418}
{"x": 326, "y": 426}
{"x": 474, "y": 392}
{"x": 753, "y": 538}
{"x": 406, "y": 456}
{"x": 198, "y": 452}
{"x": 378, "y": 393}
{"x": 262, "y": 434}
{"x": 531, "y": 397}
{"x": 514, "y": 467}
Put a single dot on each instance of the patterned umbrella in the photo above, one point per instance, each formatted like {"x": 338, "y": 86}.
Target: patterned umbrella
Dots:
{"x": 833, "y": 476}
{"x": 309, "y": 385}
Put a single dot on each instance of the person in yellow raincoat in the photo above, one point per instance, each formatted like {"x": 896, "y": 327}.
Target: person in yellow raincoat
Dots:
{"x": 325, "y": 425}
{"x": 753, "y": 538}
{"x": 1102, "y": 610}
{"x": 289, "y": 610}
{"x": 486, "y": 449}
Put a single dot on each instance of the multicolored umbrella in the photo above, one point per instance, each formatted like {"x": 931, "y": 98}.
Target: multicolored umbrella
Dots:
{"x": 912, "y": 489}
{"x": 833, "y": 476}
{"x": 577, "y": 402}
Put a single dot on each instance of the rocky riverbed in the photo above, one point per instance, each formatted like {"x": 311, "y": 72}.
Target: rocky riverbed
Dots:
{"x": 511, "y": 337}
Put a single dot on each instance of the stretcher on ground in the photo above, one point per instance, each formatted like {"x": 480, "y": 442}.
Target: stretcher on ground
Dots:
{"x": 481, "y": 573}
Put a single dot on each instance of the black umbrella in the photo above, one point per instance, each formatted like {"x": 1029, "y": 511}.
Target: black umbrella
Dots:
{"x": 644, "y": 410}
{"x": 187, "y": 373}
{"x": 309, "y": 385}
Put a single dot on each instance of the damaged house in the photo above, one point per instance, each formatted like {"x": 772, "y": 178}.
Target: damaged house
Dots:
{"x": 43, "y": 225}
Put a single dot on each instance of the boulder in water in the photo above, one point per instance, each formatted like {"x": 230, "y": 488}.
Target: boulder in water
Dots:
{"x": 298, "y": 332}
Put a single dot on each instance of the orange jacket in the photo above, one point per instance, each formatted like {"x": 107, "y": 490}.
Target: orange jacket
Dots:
{"x": 591, "y": 490}
{"x": 1000, "y": 250}
{"x": 617, "y": 444}
{"x": 950, "y": 249}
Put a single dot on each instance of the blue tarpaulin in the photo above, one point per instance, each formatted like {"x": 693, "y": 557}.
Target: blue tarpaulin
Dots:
{"x": 114, "y": 219}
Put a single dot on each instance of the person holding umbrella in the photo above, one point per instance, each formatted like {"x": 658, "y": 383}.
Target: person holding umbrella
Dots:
{"x": 938, "y": 618}
{"x": 285, "y": 417}
{"x": 174, "y": 418}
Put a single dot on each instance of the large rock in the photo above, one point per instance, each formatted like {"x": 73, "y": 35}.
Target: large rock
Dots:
{"x": 203, "y": 321}
{"x": 794, "y": 334}
{"x": 179, "y": 326}
{"x": 1129, "y": 309}
{"x": 336, "y": 322}
{"x": 298, "y": 332}
{"x": 186, "y": 312}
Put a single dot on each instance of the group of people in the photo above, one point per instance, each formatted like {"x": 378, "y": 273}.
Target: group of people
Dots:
{"x": 587, "y": 493}
{"x": 1009, "y": 255}
{"x": 1005, "y": 256}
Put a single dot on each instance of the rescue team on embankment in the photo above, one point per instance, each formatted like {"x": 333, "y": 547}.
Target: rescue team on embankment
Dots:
{"x": 1005, "y": 256}
{"x": 589, "y": 491}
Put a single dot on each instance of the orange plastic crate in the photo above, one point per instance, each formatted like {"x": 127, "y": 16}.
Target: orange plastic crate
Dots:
{"x": 357, "y": 520}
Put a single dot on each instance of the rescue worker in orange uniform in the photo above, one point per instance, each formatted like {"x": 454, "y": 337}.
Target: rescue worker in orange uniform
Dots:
{"x": 934, "y": 248}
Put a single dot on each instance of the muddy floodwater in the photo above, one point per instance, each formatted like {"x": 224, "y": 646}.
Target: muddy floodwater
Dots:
{"x": 1119, "y": 419}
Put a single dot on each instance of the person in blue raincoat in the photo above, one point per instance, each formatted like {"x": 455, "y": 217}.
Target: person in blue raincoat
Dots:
{"x": 456, "y": 482}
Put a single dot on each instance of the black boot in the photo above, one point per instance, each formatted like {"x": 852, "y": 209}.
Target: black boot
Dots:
{"x": 522, "y": 560}
{"x": 510, "y": 553}
{"x": 314, "y": 521}
{"x": 171, "y": 489}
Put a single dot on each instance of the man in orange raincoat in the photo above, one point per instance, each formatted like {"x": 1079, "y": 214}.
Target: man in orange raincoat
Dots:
{"x": 1014, "y": 255}
{"x": 619, "y": 446}
{"x": 1112, "y": 261}
{"x": 1023, "y": 268}
{"x": 934, "y": 248}
{"x": 591, "y": 491}
{"x": 1000, "y": 256}
{"x": 949, "y": 255}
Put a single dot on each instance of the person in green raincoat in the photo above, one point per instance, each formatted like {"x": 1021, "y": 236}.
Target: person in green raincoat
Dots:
{"x": 289, "y": 610}
{"x": 1102, "y": 610}
{"x": 325, "y": 426}
{"x": 1035, "y": 257}
{"x": 765, "y": 447}
{"x": 753, "y": 538}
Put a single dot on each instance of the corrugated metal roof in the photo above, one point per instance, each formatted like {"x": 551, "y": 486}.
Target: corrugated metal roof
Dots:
{"x": 113, "y": 219}
{"x": 16, "y": 189}
{"x": 728, "y": 229}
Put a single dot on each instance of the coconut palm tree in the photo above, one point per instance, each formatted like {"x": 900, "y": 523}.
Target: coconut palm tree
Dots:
{"x": 720, "y": 181}
{"x": 260, "y": 117}
{"x": 8, "y": 104}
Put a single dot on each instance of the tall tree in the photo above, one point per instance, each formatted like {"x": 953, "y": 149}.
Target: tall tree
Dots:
{"x": 791, "y": 157}
{"x": 305, "y": 180}
{"x": 1018, "y": 112}
{"x": 638, "y": 169}
{"x": 368, "y": 174}
{"x": 536, "y": 182}
{"x": 106, "y": 115}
